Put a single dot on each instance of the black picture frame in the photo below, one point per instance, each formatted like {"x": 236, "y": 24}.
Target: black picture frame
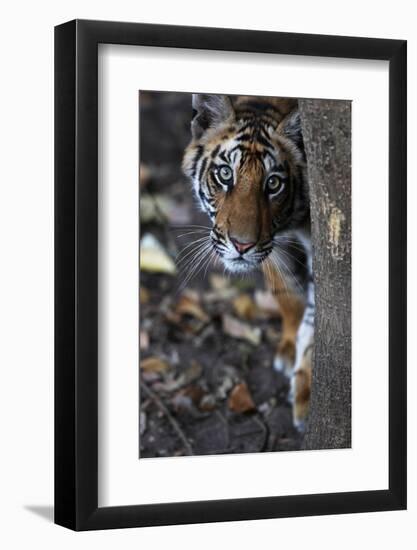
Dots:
{"x": 76, "y": 271}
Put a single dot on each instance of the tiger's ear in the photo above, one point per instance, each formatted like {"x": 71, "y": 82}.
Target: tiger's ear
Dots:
{"x": 290, "y": 127}
{"x": 210, "y": 111}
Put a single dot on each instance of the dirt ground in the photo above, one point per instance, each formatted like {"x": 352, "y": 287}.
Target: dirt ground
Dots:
{"x": 207, "y": 385}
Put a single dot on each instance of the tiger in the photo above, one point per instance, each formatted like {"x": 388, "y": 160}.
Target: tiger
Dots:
{"x": 247, "y": 165}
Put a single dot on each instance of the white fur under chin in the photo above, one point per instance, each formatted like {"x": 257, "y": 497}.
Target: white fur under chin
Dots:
{"x": 242, "y": 266}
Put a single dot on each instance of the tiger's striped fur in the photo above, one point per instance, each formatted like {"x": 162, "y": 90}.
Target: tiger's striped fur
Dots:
{"x": 248, "y": 168}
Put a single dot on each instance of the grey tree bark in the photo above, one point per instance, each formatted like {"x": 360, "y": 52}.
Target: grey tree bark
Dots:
{"x": 327, "y": 135}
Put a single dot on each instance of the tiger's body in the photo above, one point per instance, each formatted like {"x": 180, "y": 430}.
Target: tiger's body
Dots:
{"x": 248, "y": 168}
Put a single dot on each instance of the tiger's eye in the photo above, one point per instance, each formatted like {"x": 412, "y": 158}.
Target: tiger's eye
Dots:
{"x": 274, "y": 184}
{"x": 225, "y": 174}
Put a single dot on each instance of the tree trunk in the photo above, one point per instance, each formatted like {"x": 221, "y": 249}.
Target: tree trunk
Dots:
{"x": 327, "y": 137}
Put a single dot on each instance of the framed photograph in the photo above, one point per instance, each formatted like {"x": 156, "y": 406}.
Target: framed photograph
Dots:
{"x": 230, "y": 252}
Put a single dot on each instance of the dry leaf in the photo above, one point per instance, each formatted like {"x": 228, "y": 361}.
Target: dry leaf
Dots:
{"x": 153, "y": 208}
{"x": 182, "y": 403}
{"x": 224, "y": 388}
{"x": 228, "y": 377}
{"x": 154, "y": 258}
{"x": 150, "y": 377}
{"x": 143, "y": 339}
{"x": 195, "y": 392}
{"x": 193, "y": 372}
{"x": 240, "y": 400}
{"x": 186, "y": 377}
{"x": 218, "y": 282}
{"x": 207, "y": 403}
{"x": 144, "y": 295}
{"x": 237, "y": 329}
{"x": 154, "y": 364}
{"x": 245, "y": 307}
{"x": 188, "y": 304}
{"x": 220, "y": 295}
{"x": 186, "y": 398}
{"x": 188, "y": 314}
{"x": 267, "y": 303}
{"x": 161, "y": 209}
{"x": 144, "y": 174}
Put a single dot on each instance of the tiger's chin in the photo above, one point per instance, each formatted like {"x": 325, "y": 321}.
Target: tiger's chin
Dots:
{"x": 240, "y": 264}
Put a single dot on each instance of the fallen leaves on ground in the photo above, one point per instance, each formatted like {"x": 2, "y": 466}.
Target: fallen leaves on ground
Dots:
{"x": 186, "y": 377}
{"x": 267, "y": 303}
{"x": 243, "y": 331}
{"x": 143, "y": 340}
{"x": 228, "y": 377}
{"x": 144, "y": 295}
{"x": 144, "y": 174}
{"x": 152, "y": 208}
{"x": 218, "y": 282}
{"x": 221, "y": 289}
{"x": 240, "y": 399}
{"x": 189, "y": 304}
{"x": 207, "y": 403}
{"x": 188, "y": 315}
{"x": 162, "y": 209}
{"x": 154, "y": 258}
{"x": 245, "y": 307}
{"x": 187, "y": 399}
{"x": 154, "y": 364}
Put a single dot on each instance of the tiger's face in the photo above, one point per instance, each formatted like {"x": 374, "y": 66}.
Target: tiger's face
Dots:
{"x": 247, "y": 165}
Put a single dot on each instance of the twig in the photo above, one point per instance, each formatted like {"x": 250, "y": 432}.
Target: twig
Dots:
{"x": 176, "y": 427}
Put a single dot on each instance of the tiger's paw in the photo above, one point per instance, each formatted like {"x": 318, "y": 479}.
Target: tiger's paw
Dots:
{"x": 284, "y": 358}
{"x": 283, "y": 365}
{"x": 299, "y": 396}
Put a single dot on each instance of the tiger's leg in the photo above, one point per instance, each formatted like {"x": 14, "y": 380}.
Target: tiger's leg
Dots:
{"x": 301, "y": 388}
{"x": 301, "y": 379}
{"x": 291, "y": 308}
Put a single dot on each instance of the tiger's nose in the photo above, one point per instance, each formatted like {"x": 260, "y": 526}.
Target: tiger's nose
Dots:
{"x": 241, "y": 247}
